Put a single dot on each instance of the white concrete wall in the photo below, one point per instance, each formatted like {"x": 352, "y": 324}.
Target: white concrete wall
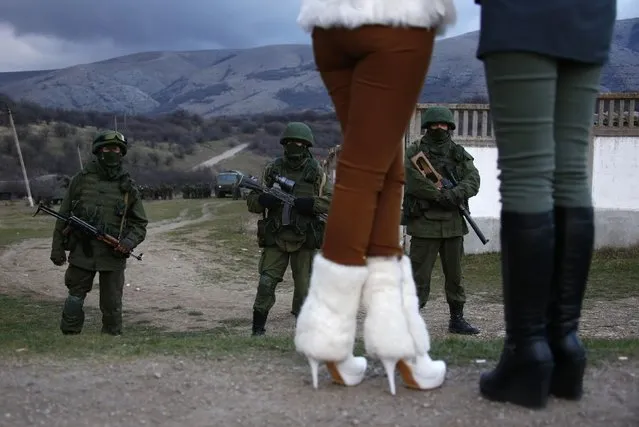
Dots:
{"x": 615, "y": 181}
{"x": 615, "y": 194}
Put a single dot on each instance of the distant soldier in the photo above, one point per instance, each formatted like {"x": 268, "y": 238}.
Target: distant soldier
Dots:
{"x": 434, "y": 221}
{"x": 298, "y": 241}
{"x": 104, "y": 195}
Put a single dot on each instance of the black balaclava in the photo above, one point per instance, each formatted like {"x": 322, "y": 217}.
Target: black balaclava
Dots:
{"x": 296, "y": 155}
{"x": 111, "y": 162}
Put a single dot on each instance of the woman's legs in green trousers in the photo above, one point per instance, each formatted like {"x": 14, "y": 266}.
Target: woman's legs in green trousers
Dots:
{"x": 542, "y": 112}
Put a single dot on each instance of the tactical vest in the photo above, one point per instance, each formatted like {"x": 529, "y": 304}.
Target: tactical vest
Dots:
{"x": 101, "y": 202}
{"x": 303, "y": 230}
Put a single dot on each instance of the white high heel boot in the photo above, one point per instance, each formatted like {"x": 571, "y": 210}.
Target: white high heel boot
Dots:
{"x": 422, "y": 373}
{"x": 326, "y": 325}
{"x": 393, "y": 328}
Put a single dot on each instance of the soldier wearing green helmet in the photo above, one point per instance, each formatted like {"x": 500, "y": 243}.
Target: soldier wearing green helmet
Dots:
{"x": 297, "y": 242}
{"x": 104, "y": 195}
{"x": 432, "y": 216}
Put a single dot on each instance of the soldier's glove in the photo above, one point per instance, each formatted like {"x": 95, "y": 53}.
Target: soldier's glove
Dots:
{"x": 448, "y": 199}
{"x": 304, "y": 205}
{"x": 58, "y": 257}
{"x": 268, "y": 201}
{"x": 125, "y": 246}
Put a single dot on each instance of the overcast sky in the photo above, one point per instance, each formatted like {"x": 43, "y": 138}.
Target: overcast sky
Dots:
{"x": 41, "y": 34}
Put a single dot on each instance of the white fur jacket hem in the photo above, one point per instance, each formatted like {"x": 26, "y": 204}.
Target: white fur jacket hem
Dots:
{"x": 438, "y": 14}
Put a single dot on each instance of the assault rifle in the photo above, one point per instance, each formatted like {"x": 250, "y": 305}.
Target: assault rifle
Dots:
{"x": 422, "y": 164}
{"x": 284, "y": 193}
{"x": 73, "y": 221}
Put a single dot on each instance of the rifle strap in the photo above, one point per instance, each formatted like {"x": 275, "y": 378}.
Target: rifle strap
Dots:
{"x": 126, "y": 206}
{"x": 322, "y": 183}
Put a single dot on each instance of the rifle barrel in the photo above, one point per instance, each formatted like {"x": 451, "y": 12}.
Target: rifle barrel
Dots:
{"x": 465, "y": 212}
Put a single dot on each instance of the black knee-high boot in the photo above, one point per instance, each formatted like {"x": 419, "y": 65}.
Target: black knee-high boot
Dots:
{"x": 524, "y": 371}
{"x": 575, "y": 236}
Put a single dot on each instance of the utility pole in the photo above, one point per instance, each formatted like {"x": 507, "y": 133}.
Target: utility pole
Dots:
{"x": 24, "y": 170}
{"x": 115, "y": 122}
{"x": 80, "y": 157}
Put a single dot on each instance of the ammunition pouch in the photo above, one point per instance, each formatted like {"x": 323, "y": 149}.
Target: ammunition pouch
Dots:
{"x": 413, "y": 207}
{"x": 265, "y": 233}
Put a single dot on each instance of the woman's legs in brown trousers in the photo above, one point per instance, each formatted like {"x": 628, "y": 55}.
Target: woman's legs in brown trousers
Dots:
{"x": 374, "y": 76}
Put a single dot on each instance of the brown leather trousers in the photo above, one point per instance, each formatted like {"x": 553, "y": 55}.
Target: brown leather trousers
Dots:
{"x": 374, "y": 75}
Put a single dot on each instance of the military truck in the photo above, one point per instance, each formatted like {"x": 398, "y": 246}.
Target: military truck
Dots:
{"x": 225, "y": 183}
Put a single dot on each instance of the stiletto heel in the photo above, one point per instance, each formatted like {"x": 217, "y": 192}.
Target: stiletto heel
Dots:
{"x": 394, "y": 331}
{"x": 389, "y": 367}
{"x": 314, "y": 369}
{"x": 327, "y": 322}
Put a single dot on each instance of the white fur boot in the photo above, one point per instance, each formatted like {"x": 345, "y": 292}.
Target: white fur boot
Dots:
{"x": 327, "y": 322}
{"x": 421, "y": 373}
{"x": 394, "y": 331}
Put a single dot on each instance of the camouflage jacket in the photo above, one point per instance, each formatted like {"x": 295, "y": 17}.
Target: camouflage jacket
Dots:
{"x": 304, "y": 231}
{"x": 424, "y": 215}
{"x": 101, "y": 202}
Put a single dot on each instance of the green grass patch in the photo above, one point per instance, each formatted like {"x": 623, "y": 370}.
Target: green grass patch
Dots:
{"x": 230, "y": 230}
{"x": 614, "y": 274}
{"x": 30, "y": 328}
{"x": 17, "y": 223}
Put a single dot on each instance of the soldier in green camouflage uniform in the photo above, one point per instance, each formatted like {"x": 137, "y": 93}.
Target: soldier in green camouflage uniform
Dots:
{"x": 104, "y": 195}
{"x": 299, "y": 241}
{"x": 432, "y": 216}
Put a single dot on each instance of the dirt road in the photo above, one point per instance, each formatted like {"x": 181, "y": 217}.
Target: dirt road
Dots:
{"x": 175, "y": 281}
{"x": 257, "y": 392}
{"x": 217, "y": 159}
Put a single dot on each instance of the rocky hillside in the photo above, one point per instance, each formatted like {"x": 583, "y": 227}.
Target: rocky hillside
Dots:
{"x": 265, "y": 79}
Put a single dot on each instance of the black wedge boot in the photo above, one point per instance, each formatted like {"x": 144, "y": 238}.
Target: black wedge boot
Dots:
{"x": 525, "y": 367}
{"x": 575, "y": 237}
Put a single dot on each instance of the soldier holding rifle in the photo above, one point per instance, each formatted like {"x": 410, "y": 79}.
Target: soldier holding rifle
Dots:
{"x": 289, "y": 233}
{"x": 432, "y": 211}
{"x": 103, "y": 196}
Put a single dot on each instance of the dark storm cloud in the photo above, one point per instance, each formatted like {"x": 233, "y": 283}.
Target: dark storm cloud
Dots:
{"x": 159, "y": 24}
{"x": 167, "y": 24}
{"x": 36, "y": 34}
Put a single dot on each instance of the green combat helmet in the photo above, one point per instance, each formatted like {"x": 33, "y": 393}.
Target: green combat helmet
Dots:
{"x": 438, "y": 115}
{"x": 299, "y": 131}
{"x": 110, "y": 137}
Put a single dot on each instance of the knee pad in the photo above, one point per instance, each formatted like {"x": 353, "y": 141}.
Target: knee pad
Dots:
{"x": 266, "y": 286}
{"x": 73, "y": 305}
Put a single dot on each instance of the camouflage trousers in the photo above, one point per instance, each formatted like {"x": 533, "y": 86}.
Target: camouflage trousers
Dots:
{"x": 272, "y": 266}
{"x": 79, "y": 282}
{"x": 423, "y": 254}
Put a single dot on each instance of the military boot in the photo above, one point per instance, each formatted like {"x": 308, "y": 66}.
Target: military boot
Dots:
{"x": 72, "y": 315}
{"x": 259, "y": 321}
{"x": 457, "y": 323}
{"x": 525, "y": 367}
{"x": 574, "y": 244}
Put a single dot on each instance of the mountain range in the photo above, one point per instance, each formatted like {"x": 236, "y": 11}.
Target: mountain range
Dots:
{"x": 268, "y": 79}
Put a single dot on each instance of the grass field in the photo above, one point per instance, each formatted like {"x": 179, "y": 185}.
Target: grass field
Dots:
{"x": 29, "y": 325}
